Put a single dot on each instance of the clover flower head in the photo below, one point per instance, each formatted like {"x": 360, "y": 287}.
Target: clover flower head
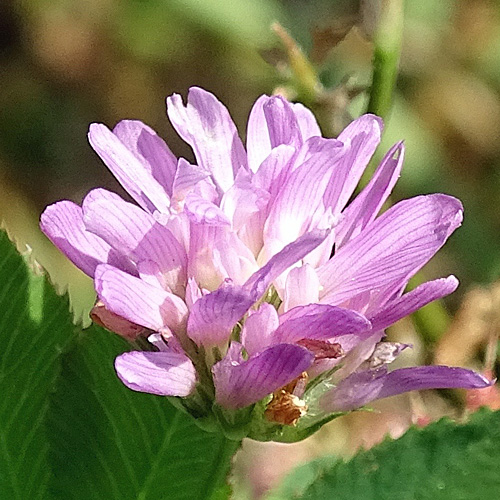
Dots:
{"x": 227, "y": 265}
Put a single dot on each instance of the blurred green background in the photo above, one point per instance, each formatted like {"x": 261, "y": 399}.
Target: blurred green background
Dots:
{"x": 66, "y": 63}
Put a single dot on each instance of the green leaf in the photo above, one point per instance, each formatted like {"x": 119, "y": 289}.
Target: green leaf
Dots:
{"x": 111, "y": 443}
{"x": 222, "y": 493}
{"x": 68, "y": 428}
{"x": 35, "y": 325}
{"x": 301, "y": 478}
{"x": 443, "y": 461}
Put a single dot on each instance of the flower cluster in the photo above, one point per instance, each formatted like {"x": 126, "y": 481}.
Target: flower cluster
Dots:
{"x": 227, "y": 265}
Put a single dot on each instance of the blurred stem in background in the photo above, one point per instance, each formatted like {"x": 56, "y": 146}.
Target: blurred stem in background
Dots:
{"x": 387, "y": 39}
{"x": 433, "y": 320}
{"x": 306, "y": 79}
{"x": 304, "y": 85}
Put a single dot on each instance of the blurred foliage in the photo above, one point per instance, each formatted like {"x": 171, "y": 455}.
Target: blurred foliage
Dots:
{"x": 68, "y": 427}
{"x": 35, "y": 326}
{"x": 457, "y": 462}
{"x": 67, "y": 63}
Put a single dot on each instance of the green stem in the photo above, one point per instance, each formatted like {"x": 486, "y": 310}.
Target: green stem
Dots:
{"x": 306, "y": 77}
{"x": 387, "y": 39}
{"x": 219, "y": 489}
{"x": 432, "y": 320}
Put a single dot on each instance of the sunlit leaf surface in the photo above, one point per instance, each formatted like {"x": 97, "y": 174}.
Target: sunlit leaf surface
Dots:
{"x": 68, "y": 428}
{"x": 35, "y": 325}
{"x": 443, "y": 461}
{"x": 111, "y": 443}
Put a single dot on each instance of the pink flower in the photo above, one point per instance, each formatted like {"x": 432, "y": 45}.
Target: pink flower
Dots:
{"x": 227, "y": 264}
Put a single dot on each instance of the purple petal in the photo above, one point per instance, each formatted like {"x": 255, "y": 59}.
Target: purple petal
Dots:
{"x": 320, "y": 322}
{"x": 178, "y": 225}
{"x": 363, "y": 210}
{"x": 391, "y": 249}
{"x": 135, "y": 233}
{"x": 149, "y": 149}
{"x": 278, "y": 120}
{"x": 188, "y": 176}
{"x": 363, "y": 387}
{"x": 269, "y": 178}
{"x": 166, "y": 342}
{"x": 138, "y": 301}
{"x": 258, "y": 141}
{"x": 201, "y": 211}
{"x": 161, "y": 373}
{"x": 216, "y": 253}
{"x": 214, "y": 315}
{"x": 258, "y": 283}
{"x": 137, "y": 180}
{"x": 301, "y": 288}
{"x": 241, "y": 383}
{"x": 299, "y": 202}
{"x": 270, "y": 175}
{"x": 203, "y": 239}
{"x": 251, "y": 232}
{"x": 205, "y": 124}
{"x": 321, "y": 255}
{"x": 193, "y": 293}
{"x": 307, "y": 122}
{"x": 235, "y": 258}
{"x": 258, "y": 328}
{"x": 314, "y": 146}
{"x": 243, "y": 200}
{"x": 63, "y": 224}
{"x": 361, "y": 137}
{"x": 150, "y": 273}
{"x": 281, "y": 122}
{"x": 414, "y": 300}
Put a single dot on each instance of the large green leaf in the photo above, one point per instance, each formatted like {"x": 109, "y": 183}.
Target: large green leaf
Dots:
{"x": 301, "y": 478}
{"x": 35, "y": 325}
{"x": 443, "y": 461}
{"x": 68, "y": 428}
{"x": 111, "y": 443}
